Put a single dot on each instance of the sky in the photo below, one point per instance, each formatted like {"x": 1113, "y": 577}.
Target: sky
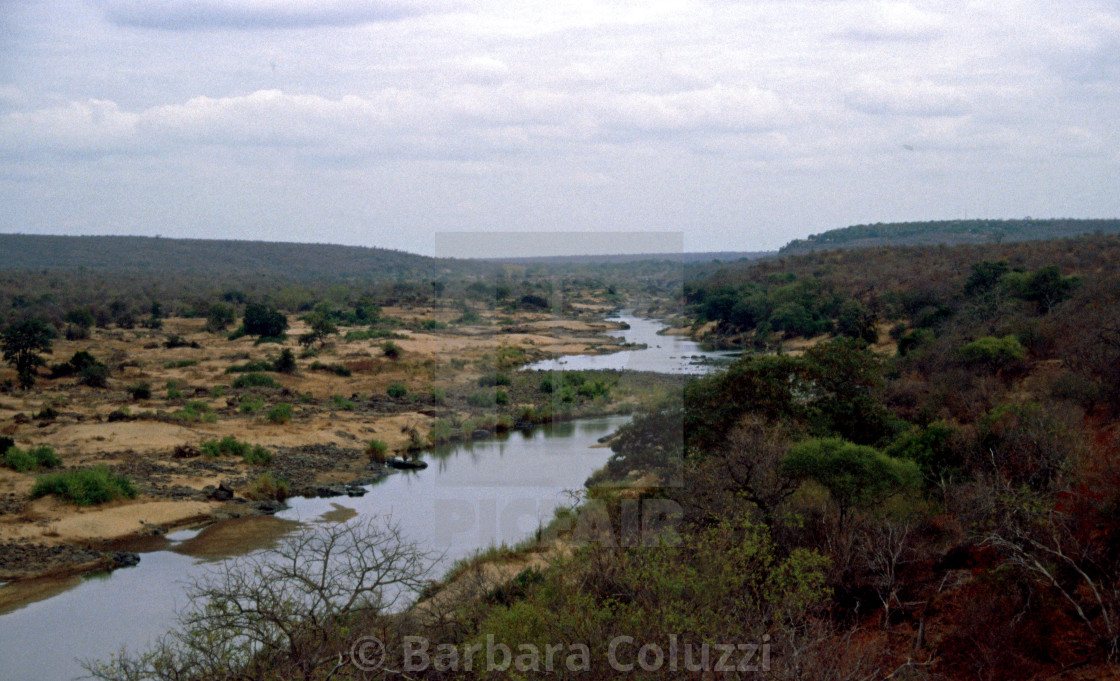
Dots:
{"x": 735, "y": 125}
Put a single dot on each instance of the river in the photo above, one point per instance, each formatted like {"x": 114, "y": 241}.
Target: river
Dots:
{"x": 472, "y": 496}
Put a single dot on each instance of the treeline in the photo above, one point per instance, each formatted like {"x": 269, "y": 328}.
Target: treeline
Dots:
{"x": 948, "y": 232}
{"x": 121, "y": 280}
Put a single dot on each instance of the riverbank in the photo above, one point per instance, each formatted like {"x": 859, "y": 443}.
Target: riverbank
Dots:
{"x": 342, "y": 395}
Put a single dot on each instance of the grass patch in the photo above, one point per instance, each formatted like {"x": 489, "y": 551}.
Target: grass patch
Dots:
{"x": 396, "y": 391}
{"x": 22, "y": 461}
{"x": 377, "y": 450}
{"x": 181, "y": 364}
{"x": 85, "y": 487}
{"x": 195, "y": 412}
{"x": 266, "y": 487}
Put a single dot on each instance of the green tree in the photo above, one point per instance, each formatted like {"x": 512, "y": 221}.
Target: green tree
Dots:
{"x": 218, "y": 317}
{"x": 264, "y": 321}
{"x": 78, "y": 322}
{"x": 855, "y": 476}
{"x": 321, "y": 327}
{"x": 23, "y": 341}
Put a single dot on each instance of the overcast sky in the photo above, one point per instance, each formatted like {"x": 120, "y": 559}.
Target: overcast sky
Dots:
{"x": 740, "y": 124}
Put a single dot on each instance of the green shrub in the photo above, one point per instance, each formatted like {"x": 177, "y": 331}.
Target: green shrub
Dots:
{"x": 173, "y": 391}
{"x": 195, "y": 412}
{"x": 140, "y": 391}
{"x": 547, "y": 385}
{"x": 260, "y": 365}
{"x": 85, "y": 487}
{"x": 438, "y": 395}
{"x": 488, "y": 380}
{"x": 377, "y": 450}
{"x": 391, "y": 349}
{"x": 251, "y": 405}
{"x": 257, "y": 456}
{"x": 255, "y": 380}
{"x": 396, "y": 391}
{"x": 286, "y": 362}
{"x": 281, "y": 413}
{"x": 340, "y": 402}
{"x": 501, "y": 397}
{"x": 910, "y": 341}
{"x": 483, "y": 398}
{"x": 46, "y": 413}
{"x": 181, "y": 364}
{"x": 37, "y": 457}
{"x": 227, "y": 446}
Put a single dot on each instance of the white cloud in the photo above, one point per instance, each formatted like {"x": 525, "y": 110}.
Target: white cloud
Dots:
{"x": 895, "y": 21}
{"x": 907, "y": 98}
{"x": 250, "y": 14}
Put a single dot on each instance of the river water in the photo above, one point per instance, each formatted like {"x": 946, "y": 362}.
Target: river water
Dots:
{"x": 663, "y": 354}
{"x": 472, "y": 496}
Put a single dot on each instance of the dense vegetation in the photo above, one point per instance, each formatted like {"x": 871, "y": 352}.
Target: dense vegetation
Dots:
{"x": 949, "y": 232}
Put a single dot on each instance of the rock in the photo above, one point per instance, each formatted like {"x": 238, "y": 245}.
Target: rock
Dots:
{"x": 401, "y": 464}
{"x": 480, "y": 433}
{"x": 330, "y": 491}
{"x": 124, "y": 559}
{"x": 222, "y": 493}
{"x": 355, "y": 491}
{"x": 269, "y": 507}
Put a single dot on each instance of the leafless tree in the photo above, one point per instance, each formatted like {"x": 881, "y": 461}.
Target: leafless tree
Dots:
{"x": 293, "y": 610}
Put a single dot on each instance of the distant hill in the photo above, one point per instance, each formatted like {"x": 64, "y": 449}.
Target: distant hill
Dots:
{"x": 948, "y": 232}
{"x": 687, "y": 258}
{"x": 202, "y": 257}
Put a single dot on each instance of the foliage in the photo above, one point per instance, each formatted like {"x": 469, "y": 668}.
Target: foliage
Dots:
{"x": 231, "y": 446}
{"x": 286, "y": 362}
{"x": 281, "y": 413}
{"x": 22, "y": 461}
{"x": 267, "y": 487}
{"x": 391, "y": 349}
{"x": 84, "y": 487}
{"x": 255, "y": 380}
{"x": 994, "y": 354}
{"x": 856, "y": 476}
{"x": 219, "y": 316}
{"x": 264, "y": 321}
{"x": 195, "y": 412}
{"x": 397, "y": 391}
{"x": 320, "y": 325}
